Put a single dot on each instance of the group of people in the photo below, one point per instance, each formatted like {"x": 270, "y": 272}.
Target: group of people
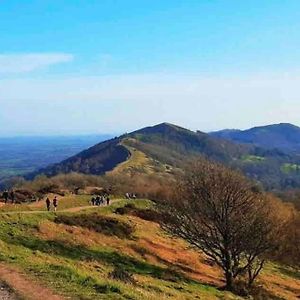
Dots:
{"x": 100, "y": 200}
{"x": 129, "y": 196}
{"x": 9, "y": 195}
{"x": 54, "y": 203}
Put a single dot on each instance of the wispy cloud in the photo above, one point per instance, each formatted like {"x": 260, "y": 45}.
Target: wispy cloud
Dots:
{"x": 23, "y": 63}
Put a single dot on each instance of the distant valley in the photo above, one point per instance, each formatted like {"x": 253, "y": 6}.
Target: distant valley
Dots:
{"x": 21, "y": 155}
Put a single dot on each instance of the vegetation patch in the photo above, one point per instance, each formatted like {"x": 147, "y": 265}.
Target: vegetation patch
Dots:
{"x": 256, "y": 291}
{"x": 253, "y": 158}
{"x": 145, "y": 214}
{"x": 122, "y": 275}
{"x": 290, "y": 168}
{"x": 98, "y": 223}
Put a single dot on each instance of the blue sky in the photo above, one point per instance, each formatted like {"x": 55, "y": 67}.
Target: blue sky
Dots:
{"x": 114, "y": 66}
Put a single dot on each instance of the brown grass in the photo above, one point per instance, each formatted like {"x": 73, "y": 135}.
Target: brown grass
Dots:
{"x": 155, "y": 247}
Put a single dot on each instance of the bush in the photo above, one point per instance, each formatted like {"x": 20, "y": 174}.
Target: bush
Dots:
{"x": 23, "y": 195}
{"x": 125, "y": 210}
{"x": 106, "y": 288}
{"x": 256, "y": 292}
{"x": 145, "y": 214}
{"x": 95, "y": 222}
{"x": 148, "y": 215}
{"x": 50, "y": 188}
{"x": 121, "y": 274}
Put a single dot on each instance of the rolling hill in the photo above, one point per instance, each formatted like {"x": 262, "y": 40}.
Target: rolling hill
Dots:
{"x": 165, "y": 147}
{"x": 283, "y": 136}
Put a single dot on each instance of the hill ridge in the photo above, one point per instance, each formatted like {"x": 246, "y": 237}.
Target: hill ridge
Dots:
{"x": 165, "y": 147}
{"x": 283, "y": 136}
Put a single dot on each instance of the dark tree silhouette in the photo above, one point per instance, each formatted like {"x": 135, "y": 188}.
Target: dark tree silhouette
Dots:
{"x": 221, "y": 213}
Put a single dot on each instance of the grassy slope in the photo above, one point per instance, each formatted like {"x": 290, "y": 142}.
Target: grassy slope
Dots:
{"x": 139, "y": 162}
{"x": 76, "y": 261}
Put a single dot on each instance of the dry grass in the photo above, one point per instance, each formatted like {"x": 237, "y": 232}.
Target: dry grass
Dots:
{"x": 138, "y": 161}
{"x": 73, "y": 259}
{"x": 155, "y": 247}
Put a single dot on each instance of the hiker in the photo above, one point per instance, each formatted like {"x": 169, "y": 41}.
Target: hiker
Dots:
{"x": 5, "y": 196}
{"x": 102, "y": 200}
{"x": 55, "y": 203}
{"x": 48, "y": 204}
{"x": 93, "y": 201}
{"x": 12, "y": 196}
{"x": 98, "y": 201}
{"x": 107, "y": 200}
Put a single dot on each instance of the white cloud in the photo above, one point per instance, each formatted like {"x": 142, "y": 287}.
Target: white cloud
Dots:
{"x": 23, "y": 63}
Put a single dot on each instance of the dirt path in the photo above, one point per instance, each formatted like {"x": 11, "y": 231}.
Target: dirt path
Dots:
{"x": 72, "y": 209}
{"x": 25, "y": 287}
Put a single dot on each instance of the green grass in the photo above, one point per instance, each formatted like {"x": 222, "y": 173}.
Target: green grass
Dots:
{"x": 79, "y": 271}
{"x": 290, "y": 168}
{"x": 59, "y": 255}
{"x": 252, "y": 158}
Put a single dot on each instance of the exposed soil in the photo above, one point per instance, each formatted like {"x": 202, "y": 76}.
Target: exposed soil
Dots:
{"x": 26, "y": 288}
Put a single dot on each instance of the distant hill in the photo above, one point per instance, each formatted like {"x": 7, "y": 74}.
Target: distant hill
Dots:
{"x": 163, "y": 148}
{"x": 163, "y": 144}
{"x": 283, "y": 136}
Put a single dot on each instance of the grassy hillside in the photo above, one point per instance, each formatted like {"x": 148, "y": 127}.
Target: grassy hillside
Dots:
{"x": 96, "y": 160}
{"x": 79, "y": 261}
{"x": 163, "y": 148}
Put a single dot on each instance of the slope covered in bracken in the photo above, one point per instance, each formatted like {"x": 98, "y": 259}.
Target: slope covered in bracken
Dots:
{"x": 77, "y": 260}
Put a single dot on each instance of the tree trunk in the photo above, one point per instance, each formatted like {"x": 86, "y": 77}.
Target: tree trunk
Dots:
{"x": 229, "y": 281}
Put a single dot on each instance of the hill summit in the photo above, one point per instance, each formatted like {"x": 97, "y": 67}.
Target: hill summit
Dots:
{"x": 164, "y": 148}
{"x": 164, "y": 144}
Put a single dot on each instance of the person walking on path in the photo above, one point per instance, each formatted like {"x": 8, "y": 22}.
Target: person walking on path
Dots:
{"x": 5, "y": 196}
{"x": 102, "y": 200}
{"x": 12, "y": 197}
{"x": 107, "y": 200}
{"x": 55, "y": 203}
{"x": 97, "y": 202}
{"x": 48, "y": 204}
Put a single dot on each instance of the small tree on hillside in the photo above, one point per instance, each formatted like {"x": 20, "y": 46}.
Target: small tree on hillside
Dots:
{"x": 218, "y": 211}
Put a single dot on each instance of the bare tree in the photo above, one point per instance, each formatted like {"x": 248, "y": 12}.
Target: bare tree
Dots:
{"x": 221, "y": 213}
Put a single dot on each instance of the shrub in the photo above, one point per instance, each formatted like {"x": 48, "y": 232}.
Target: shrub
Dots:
{"x": 106, "y": 288}
{"x": 95, "y": 222}
{"x": 121, "y": 274}
{"x": 145, "y": 214}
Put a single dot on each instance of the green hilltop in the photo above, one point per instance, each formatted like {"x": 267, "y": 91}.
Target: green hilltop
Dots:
{"x": 166, "y": 147}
